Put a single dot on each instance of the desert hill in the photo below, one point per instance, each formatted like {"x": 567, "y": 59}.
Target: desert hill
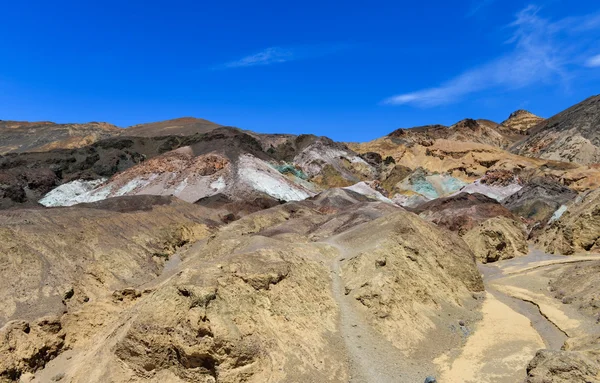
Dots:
{"x": 521, "y": 121}
{"x": 572, "y": 135}
{"x": 18, "y": 137}
{"x": 183, "y": 126}
{"x": 22, "y": 136}
{"x": 186, "y": 251}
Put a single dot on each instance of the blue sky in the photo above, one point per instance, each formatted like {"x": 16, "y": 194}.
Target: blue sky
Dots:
{"x": 353, "y": 71}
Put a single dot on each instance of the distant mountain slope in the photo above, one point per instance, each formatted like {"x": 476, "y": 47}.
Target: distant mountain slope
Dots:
{"x": 183, "y": 126}
{"x": 225, "y": 160}
{"x": 572, "y": 135}
{"x": 521, "y": 121}
{"x": 23, "y": 136}
{"x": 20, "y": 136}
{"x": 467, "y": 130}
{"x": 480, "y": 131}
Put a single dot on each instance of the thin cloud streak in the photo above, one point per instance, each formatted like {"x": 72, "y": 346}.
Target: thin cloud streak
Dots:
{"x": 279, "y": 55}
{"x": 268, "y": 56}
{"x": 542, "y": 53}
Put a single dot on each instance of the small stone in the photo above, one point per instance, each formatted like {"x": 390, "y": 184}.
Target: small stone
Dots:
{"x": 69, "y": 294}
{"x": 430, "y": 379}
{"x": 58, "y": 377}
{"x": 567, "y": 300}
{"x": 461, "y": 323}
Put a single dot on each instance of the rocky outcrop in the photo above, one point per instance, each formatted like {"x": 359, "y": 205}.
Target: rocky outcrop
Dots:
{"x": 387, "y": 274}
{"x": 99, "y": 160}
{"x": 562, "y": 367}
{"x": 26, "y": 347}
{"x": 428, "y": 185}
{"x": 521, "y": 121}
{"x": 497, "y": 239}
{"x": 467, "y": 130}
{"x": 470, "y": 161}
{"x": 571, "y": 136}
{"x": 492, "y": 232}
{"x": 577, "y": 229}
{"x": 539, "y": 199}
{"x": 462, "y": 212}
{"x": 58, "y": 259}
{"x": 497, "y": 184}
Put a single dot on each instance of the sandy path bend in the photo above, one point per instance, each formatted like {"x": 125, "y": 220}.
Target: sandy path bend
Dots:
{"x": 372, "y": 358}
{"x": 498, "y": 351}
{"x": 520, "y": 316}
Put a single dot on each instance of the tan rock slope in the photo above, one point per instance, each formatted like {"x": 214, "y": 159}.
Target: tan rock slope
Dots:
{"x": 577, "y": 229}
{"x": 521, "y": 121}
{"x": 571, "y": 136}
{"x": 50, "y": 254}
{"x": 470, "y": 161}
{"x": 17, "y": 136}
{"x": 497, "y": 239}
{"x": 253, "y": 302}
{"x": 467, "y": 130}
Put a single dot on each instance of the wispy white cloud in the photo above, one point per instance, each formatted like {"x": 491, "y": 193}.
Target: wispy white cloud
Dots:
{"x": 542, "y": 51}
{"x": 593, "y": 62}
{"x": 278, "y": 55}
{"x": 272, "y": 55}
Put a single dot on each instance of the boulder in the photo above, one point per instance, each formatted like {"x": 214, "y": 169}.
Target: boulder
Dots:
{"x": 497, "y": 239}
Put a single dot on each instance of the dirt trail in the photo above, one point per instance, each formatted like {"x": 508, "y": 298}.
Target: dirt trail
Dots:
{"x": 372, "y": 358}
{"x": 497, "y": 352}
{"x": 520, "y": 316}
{"x": 521, "y": 284}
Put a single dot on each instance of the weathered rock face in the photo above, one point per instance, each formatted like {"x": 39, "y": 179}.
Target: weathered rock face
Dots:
{"x": 577, "y": 285}
{"x": 521, "y": 121}
{"x": 469, "y": 161}
{"x": 18, "y": 137}
{"x": 52, "y": 260}
{"x": 467, "y": 130}
{"x": 252, "y": 302}
{"x": 571, "y": 135}
{"x": 99, "y": 160}
{"x": 577, "y": 229}
{"x": 462, "y": 212}
{"x": 398, "y": 284}
{"x": 330, "y": 164}
{"x": 428, "y": 185}
{"x": 562, "y": 367}
{"x": 497, "y": 239}
{"x": 261, "y": 316}
{"x": 491, "y": 231}
{"x": 539, "y": 199}
{"x": 174, "y": 165}
{"x": 26, "y": 346}
{"x": 18, "y": 186}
